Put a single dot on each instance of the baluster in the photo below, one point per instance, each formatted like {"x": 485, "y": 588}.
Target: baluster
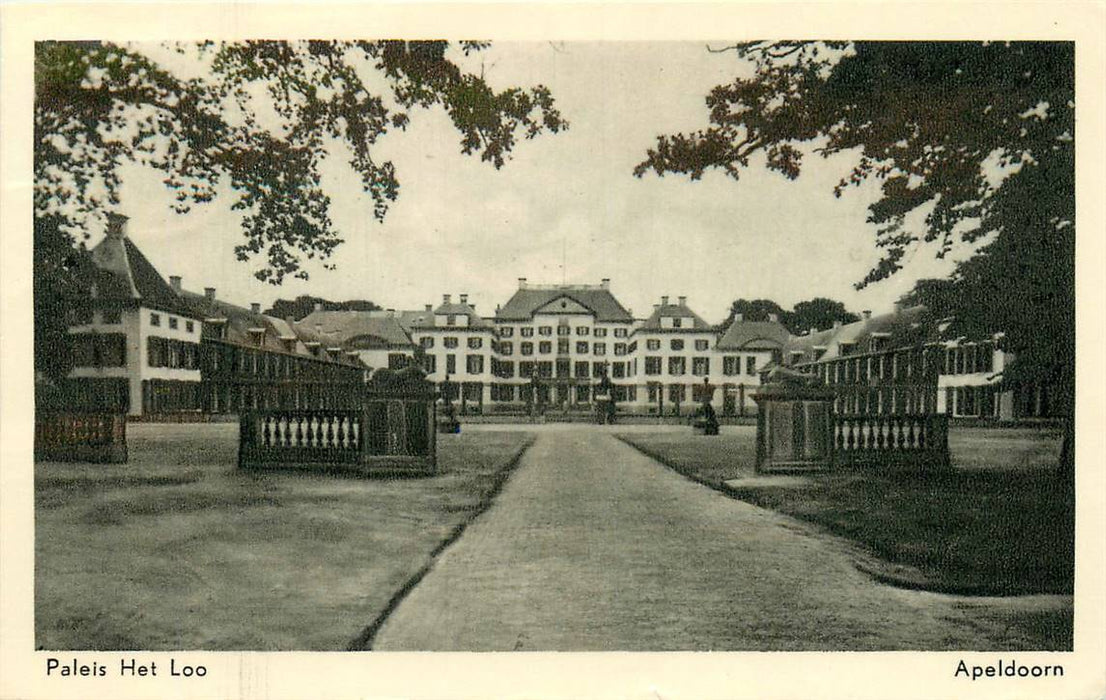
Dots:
{"x": 923, "y": 432}
{"x": 355, "y": 426}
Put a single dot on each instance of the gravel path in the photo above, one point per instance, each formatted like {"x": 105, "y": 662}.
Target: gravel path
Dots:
{"x": 594, "y": 546}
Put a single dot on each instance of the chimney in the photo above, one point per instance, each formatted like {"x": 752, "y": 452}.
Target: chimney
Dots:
{"x": 605, "y": 283}
{"x": 446, "y": 298}
{"x": 428, "y": 307}
{"x": 255, "y": 308}
{"x": 656, "y": 306}
{"x": 867, "y": 313}
{"x": 522, "y": 283}
{"x": 683, "y": 301}
{"x": 773, "y": 318}
{"x": 318, "y": 306}
{"x": 740, "y": 318}
{"x": 836, "y": 325}
{"x": 174, "y": 282}
{"x": 209, "y": 293}
{"x": 464, "y": 298}
{"x": 812, "y": 331}
{"x": 664, "y": 300}
{"x": 117, "y": 225}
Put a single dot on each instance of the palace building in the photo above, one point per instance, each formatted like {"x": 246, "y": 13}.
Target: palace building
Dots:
{"x": 155, "y": 348}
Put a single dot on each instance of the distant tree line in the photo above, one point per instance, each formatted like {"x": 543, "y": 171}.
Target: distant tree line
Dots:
{"x": 304, "y": 304}
{"x": 819, "y": 313}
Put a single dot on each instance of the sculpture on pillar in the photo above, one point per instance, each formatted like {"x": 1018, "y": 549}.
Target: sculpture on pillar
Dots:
{"x": 707, "y": 421}
{"x": 448, "y": 422}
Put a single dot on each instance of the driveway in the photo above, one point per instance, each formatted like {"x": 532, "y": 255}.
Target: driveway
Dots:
{"x": 594, "y": 546}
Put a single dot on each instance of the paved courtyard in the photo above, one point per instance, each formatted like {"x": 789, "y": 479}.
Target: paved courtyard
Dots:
{"x": 594, "y": 546}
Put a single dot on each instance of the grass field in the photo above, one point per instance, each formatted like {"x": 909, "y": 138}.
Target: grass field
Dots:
{"x": 998, "y": 523}
{"x": 180, "y": 550}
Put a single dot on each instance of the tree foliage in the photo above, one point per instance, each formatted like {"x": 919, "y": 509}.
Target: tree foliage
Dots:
{"x": 820, "y": 313}
{"x": 974, "y": 138}
{"x": 304, "y": 304}
{"x": 261, "y": 119}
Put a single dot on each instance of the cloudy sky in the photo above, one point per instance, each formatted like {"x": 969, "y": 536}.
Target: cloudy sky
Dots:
{"x": 565, "y": 208}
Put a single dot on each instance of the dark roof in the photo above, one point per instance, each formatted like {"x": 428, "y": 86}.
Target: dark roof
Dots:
{"x": 125, "y": 273}
{"x": 653, "y": 323}
{"x": 754, "y": 335}
{"x": 525, "y": 302}
{"x": 456, "y": 309}
{"x": 902, "y": 328}
{"x": 341, "y": 327}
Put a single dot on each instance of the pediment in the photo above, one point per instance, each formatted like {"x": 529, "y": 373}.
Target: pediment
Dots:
{"x": 564, "y": 304}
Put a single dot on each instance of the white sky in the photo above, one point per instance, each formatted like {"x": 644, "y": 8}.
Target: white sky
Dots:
{"x": 461, "y": 226}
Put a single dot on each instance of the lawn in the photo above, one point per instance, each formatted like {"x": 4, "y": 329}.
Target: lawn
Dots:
{"x": 998, "y": 523}
{"x": 180, "y": 550}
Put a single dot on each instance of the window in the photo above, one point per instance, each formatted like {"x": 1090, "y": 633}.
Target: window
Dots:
{"x": 653, "y": 344}
{"x": 99, "y": 350}
{"x": 526, "y": 332}
{"x": 582, "y": 393}
{"x": 526, "y": 348}
{"x": 155, "y": 319}
{"x": 545, "y": 369}
{"x": 701, "y": 345}
{"x": 428, "y": 342}
{"x": 525, "y": 369}
{"x": 173, "y": 323}
{"x": 600, "y": 332}
{"x": 599, "y": 349}
{"x": 506, "y": 348}
{"x": 654, "y": 394}
{"x": 652, "y": 366}
{"x": 700, "y": 366}
{"x": 582, "y": 369}
{"x": 397, "y": 360}
{"x": 545, "y": 347}
{"x": 451, "y": 319}
{"x": 582, "y": 330}
{"x": 677, "y": 366}
{"x": 676, "y": 344}
{"x": 676, "y": 392}
{"x": 620, "y": 332}
{"x": 449, "y": 341}
{"x": 751, "y": 365}
{"x": 545, "y": 330}
{"x": 677, "y": 322}
{"x": 564, "y": 330}
{"x": 506, "y": 332}
{"x": 476, "y": 343}
{"x": 451, "y": 364}
{"x": 582, "y": 347}
{"x": 429, "y": 363}
{"x": 618, "y": 370}
{"x": 632, "y": 348}
{"x": 620, "y": 348}
{"x": 564, "y": 369}
{"x": 845, "y": 348}
{"x": 188, "y": 326}
{"x": 731, "y": 365}
{"x": 562, "y": 346}
{"x": 474, "y": 364}
{"x": 503, "y": 392}
{"x": 598, "y": 369}
{"x": 111, "y": 317}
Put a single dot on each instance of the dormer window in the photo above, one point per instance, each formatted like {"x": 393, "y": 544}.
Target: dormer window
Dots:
{"x": 845, "y": 349}
{"x": 677, "y": 322}
{"x": 257, "y": 336}
{"x": 796, "y": 357}
{"x": 451, "y": 320}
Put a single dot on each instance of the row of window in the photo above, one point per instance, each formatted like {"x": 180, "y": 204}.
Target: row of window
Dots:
{"x": 970, "y": 358}
{"x": 99, "y": 349}
{"x": 546, "y": 394}
{"x": 700, "y": 366}
{"x": 174, "y": 322}
{"x": 225, "y": 359}
{"x": 450, "y": 341}
{"x": 890, "y": 366}
{"x": 563, "y": 345}
{"x": 84, "y": 315}
{"x": 172, "y": 353}
{"x": 474, "y": 364}
{"x": 528, "y": 331}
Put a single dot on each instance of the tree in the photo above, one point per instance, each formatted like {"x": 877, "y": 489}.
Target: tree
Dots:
{"x": 263, "y": 119}
{"x": 975, "y": 138}
{"x": 304, "y": 304}
{"x": 754, "y": 310}
{"x": 819, "y": 313}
